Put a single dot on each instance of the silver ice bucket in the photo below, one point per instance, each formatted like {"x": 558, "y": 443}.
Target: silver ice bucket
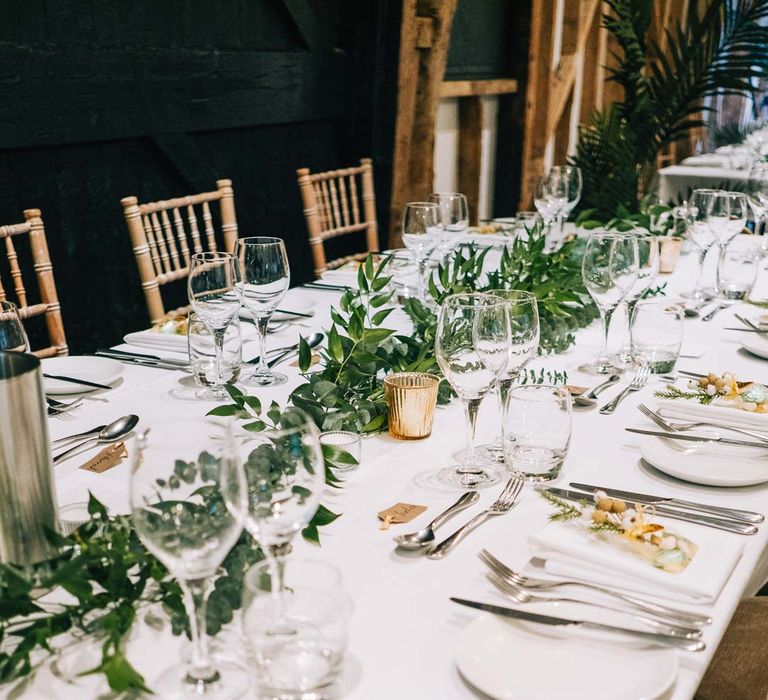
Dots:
{"x": 27, "y": 494}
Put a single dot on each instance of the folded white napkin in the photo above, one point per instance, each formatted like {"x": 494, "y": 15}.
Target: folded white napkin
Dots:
{"x": 345, "y": 277}
{"x": 693, "y": 350}
{"x": 571, "y": 551}
{"x": 680, "y": 409}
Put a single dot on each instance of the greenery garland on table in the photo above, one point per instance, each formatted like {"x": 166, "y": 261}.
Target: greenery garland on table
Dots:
{"x": 111, "y": 575}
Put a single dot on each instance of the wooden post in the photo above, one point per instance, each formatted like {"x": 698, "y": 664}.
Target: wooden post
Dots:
{"x": 470, "y": 144}
{"x": 228, "y": 217}
{"x": 425, "y": 33}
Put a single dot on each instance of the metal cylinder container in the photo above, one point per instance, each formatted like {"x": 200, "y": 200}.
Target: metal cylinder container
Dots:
{"x": 27, "y": 493}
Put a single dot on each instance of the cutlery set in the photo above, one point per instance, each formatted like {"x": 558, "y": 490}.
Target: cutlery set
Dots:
{"x": 101, "y": 434}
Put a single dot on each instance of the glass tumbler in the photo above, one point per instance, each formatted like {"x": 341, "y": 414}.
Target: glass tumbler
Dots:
{"x": 657, "y": 335}
{"x": 411, "y": 400}
{"x": 737, "y": 269}
{"x": 537, "y": 431}
{"x": 298, "y": 639}
{"x": 202, "y": 356}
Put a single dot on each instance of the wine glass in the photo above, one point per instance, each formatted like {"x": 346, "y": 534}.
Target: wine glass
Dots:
{"x": 570, "y": 175}
{"x": 702, "y": 237}
{"x": 472, "y": 350}
{"x": 647, "y": 269}
{"x": 285, "y": 472}
{"x": 523, "y": 311}
{"x": 549, "y": 197}
{"x": 609, "y": 270}
{"x": 727, "y": 218}
{"x": 263, "y": 281}
{"x": 188, "y": 503}
{"x": 12, "y": 334}
{"x": 422, "y": 231}
{"x": 454, "y": 217}
{"x": 757, "y": 196}
{"x": 212, "y": 289}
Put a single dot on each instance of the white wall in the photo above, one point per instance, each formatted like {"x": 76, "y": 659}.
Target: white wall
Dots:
{"x": 447, "y": 149}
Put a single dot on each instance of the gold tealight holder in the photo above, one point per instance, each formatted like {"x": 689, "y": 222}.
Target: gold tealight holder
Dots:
{"x": 411, "y": 401}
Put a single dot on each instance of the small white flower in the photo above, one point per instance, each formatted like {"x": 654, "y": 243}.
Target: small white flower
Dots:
{"x": 629, "y": 519}
{"x": 668, "y": 542}
{"x": 693, "y": 384}
{"x": 711, "y": 389}
{"x": 599, "y": 495}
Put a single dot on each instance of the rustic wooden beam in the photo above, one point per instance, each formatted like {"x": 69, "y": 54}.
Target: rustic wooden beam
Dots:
{"x": 151, "y": 91}
{"x": 468, "y": 88}
{"x": 420, "y": 74}
{"x": 470, "y": 151}
{"x": 188, "y": 160}
{"x": 537, "y": 96}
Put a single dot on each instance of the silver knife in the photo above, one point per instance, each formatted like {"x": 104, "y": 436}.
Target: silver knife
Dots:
{"x": 663, "y": 639}
{"x": 155, "y": 364}
{"x": 735, "y": 513}
{"x": 719, "y": 523}
{"x": 120, "y": 354}
{"x": 697, "y": 438}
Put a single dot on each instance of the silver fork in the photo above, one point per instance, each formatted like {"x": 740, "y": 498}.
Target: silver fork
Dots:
{"x": 638, "y": 382}
{"x": 682, "y": 427}
{"x": 528, "y": 582}
{"x": 518, "y": 595}
{"x": 58, "y": 408}
{"x": 503, "y": 504}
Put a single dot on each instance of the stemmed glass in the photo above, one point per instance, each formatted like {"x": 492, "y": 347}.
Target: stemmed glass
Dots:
{"x": 550, "y": 196}
{"x": 701, "y": 235}
{"x": 454, "y": 217}
{"x": 570, "y": 175}
{"x": 422, "y": 231}
{"x": 523, "y": 311}
{"x": 188, "y": 503}
{"x": 212, "y": 289}
{"x": 727, "y": 218}
{"x": 609, "y": 270}
{"x": 12, "y": 334}
{"x": 472, "y": 350}
{"x": 757, "y": 196}
{"x": 285, "y": 472}
{"x": 263, "y": 281}
{"x": 647, "y": 269}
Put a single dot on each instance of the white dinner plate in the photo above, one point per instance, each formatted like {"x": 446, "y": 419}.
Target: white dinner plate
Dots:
{"x": 508, "y": 660}
{"x": 95, "y": 369}
{"x": 755, "y": 343}
{"x": 709, "y": 464}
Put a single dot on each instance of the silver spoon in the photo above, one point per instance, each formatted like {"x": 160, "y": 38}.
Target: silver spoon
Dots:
{"x": 113, "y": 432}
{"x": 589, "y": 398}
{"x": 79, "y": 436}
{"x": 421, "y": 538}
{"x": 313, "y": 341}
{"x": 694, "y": 312}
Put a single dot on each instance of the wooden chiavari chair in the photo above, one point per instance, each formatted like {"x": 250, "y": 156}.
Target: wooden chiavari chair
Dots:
{"x": 163, "y": 244}
{"x": 335, "y": 205}
{"x": 41, "y": 262}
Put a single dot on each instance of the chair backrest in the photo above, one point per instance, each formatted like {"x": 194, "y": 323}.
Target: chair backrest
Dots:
{"x": 335, "y": 205}
{"x": 163, "y": 244}
{"x": 41, "y": 262}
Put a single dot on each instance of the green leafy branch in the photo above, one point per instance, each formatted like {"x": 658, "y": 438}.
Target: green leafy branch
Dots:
{"x": 674, "y": 392}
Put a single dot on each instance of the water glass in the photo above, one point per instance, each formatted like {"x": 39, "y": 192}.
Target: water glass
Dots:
{"x": 202, "y": 356}
{"x": 12, "y": 335}
{"x": 422, "y": 231}
{"x": 657, "y": 335}
{"x": 702, "y": 237}
{"x": 737, "y": 269}
{"x": 537, "y": 431}
{"x": 264, "y": 277}
{"x": 411, "y": 400}
{"x": 340, "y": 448}
{"x": 454, "y": 217}
{"x": 297, "y": 640}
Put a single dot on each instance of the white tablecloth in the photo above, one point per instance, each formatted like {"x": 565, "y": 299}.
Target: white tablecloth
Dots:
{"x": 403, "y": 627}
{"x": 676, "y": 182}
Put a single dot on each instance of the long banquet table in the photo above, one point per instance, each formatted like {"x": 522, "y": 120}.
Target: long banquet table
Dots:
{"x": 403, "y": 627}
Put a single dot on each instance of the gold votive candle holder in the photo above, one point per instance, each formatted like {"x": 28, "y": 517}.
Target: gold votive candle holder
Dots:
{"x": 411, "y": 400}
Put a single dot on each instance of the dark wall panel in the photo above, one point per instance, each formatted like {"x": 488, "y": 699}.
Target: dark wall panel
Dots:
{"x": 102, "y": 100}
